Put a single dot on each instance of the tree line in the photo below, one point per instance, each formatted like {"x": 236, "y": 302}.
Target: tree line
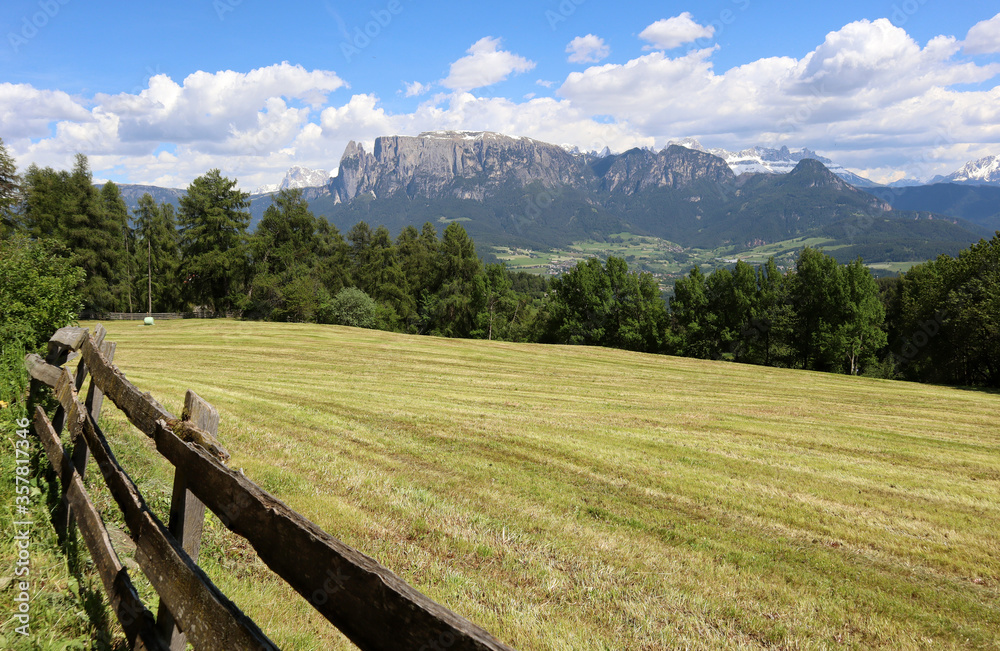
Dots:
{"x": 938, "y": 322}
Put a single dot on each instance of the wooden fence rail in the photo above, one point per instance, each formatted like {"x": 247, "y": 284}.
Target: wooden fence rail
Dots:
{"x": 372, "y": 606}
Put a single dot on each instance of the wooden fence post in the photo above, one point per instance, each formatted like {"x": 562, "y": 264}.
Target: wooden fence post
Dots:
{"x": 63, "y": 519}
{"x": 187, "y": 512}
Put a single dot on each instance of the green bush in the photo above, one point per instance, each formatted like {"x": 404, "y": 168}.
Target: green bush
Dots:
{"x": 39, "y": 291}
{"x": 351, "y": 307}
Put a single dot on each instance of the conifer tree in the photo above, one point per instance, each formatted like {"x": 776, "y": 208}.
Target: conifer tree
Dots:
{"x": 10, "y": 190}
{"x": 213, "y": 220}
{"x": 157, "y": 256}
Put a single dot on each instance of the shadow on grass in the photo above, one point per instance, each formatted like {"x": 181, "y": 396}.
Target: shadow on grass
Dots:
{"x": 93, "y": 601}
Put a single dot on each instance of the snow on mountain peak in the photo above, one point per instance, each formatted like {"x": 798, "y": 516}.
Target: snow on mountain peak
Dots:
{"x": 297, "y": 177}
{"x": 984, "y": 170}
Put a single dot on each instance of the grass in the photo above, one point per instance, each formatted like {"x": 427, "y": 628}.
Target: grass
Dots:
{"x": 585, "y": 498}
{"x": 65, "y": 601}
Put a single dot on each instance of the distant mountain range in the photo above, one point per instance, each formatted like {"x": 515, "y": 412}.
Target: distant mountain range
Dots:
{"x": 985, "y": 171}
{"x": 516, "y": 191}
{"x": 297, "y": 177}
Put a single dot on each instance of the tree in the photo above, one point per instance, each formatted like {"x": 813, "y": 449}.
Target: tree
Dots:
{"x": 861, "y": 330}
{"x": 420, "y": 260}
{"x": 93, "y": 238}
{"x": 819, "y": 295}
{"x": 453, "y": 310}
{"x": 607, "y": 306}
{"x": 10, "y": 191}
{"x": 116, "y": 213}
{"x": 284, "y": 254}
{"x": 46, "y": 200}
{"x": 498, "y": 303}
{"x": 213, "y": 220}
{"x": 691, "y": 318}
{"x": 157, "y": 254}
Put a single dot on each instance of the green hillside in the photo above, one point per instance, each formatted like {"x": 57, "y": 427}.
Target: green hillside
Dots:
{"x": 585, "y": 498}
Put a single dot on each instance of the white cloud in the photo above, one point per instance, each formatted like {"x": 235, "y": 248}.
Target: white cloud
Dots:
{"x": 485, "y": 65}
{"x": 868, "y": 90}
{"x": 868, "y": 96}
{"x": 215, "y": 106}
{"x": 26, "y": 112}
{"x": 587, "y": 49}
{"x": 416, "y": 88}
{"x": 984, "y": 37}
{"x": 668, "y": 33}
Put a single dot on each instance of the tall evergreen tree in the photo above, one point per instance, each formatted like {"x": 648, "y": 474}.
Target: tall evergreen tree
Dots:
{"x": 819, "y": 296}
{"x": 93, "y": 238}
{"x": 454, "y": 311}
{"x": 157, "y": 255}
{"x": 116, "y": 213}
{"x": 10, "y": 191}
{"x": 47, "y": 198}
{"x": 864, "y": 318}
{"x": 213, "y": 221}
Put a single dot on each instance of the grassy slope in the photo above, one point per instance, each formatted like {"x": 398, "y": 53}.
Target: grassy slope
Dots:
{"x": 581, "y": 498}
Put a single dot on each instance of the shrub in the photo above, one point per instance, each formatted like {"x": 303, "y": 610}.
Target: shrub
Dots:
{"x": 351, "y": 307}
{"x": 39, "y": 291}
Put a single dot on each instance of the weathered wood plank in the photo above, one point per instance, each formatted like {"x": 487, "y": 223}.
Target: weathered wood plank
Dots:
{"x": 136, "y": 620}
{"x": 71, "y": 337}
{"x": 187, "y": 512}
{"x": 41, "y": 370}
{"x": 371, "y": 605}
{"x": 208, "y": 618}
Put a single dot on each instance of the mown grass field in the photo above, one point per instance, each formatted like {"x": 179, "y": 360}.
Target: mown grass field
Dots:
{"x": 584, "y": 498}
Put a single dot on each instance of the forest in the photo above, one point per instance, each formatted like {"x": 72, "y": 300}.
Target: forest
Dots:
{"x": 78, "y": 245}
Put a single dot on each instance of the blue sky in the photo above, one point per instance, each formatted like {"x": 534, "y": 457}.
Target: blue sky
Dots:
{"x": 160, "y": 92}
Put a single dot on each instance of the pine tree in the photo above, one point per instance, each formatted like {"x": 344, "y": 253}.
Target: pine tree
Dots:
{"x": 116, "y": 213}
{"x": 94, "y": 239}
{"x": 862, "y": 330}
{"x": 157, "y": 255}
{"x": 47, "y": 199}
{"x": 10, "y": 191}
{"x": 213, "y": 220}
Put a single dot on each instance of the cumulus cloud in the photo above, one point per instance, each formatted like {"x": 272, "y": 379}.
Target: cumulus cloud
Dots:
{"x": 984, "y": 37}
{"x": 869, "y": 87}
{"x": 668, "y": 33}
{"x": 484, "y": 65}
{"x": 26, "y": 112}
{"x": 416, "y": 88}
{"x": 587, "y": 49}
{"x": 217, "y": 106}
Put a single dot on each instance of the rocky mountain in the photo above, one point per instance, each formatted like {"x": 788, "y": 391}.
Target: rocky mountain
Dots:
{"x": 512, "y": 191}
{"x": 985, "y": 171}
{"x": 297, "y": 177}
{"x": 518, "y": 191}
{"x": 675, "y": 167}
{"x": 460, "y": 164}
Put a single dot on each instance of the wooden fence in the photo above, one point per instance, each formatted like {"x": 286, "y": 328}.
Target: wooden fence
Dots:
{"x": 373, "y": 607}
